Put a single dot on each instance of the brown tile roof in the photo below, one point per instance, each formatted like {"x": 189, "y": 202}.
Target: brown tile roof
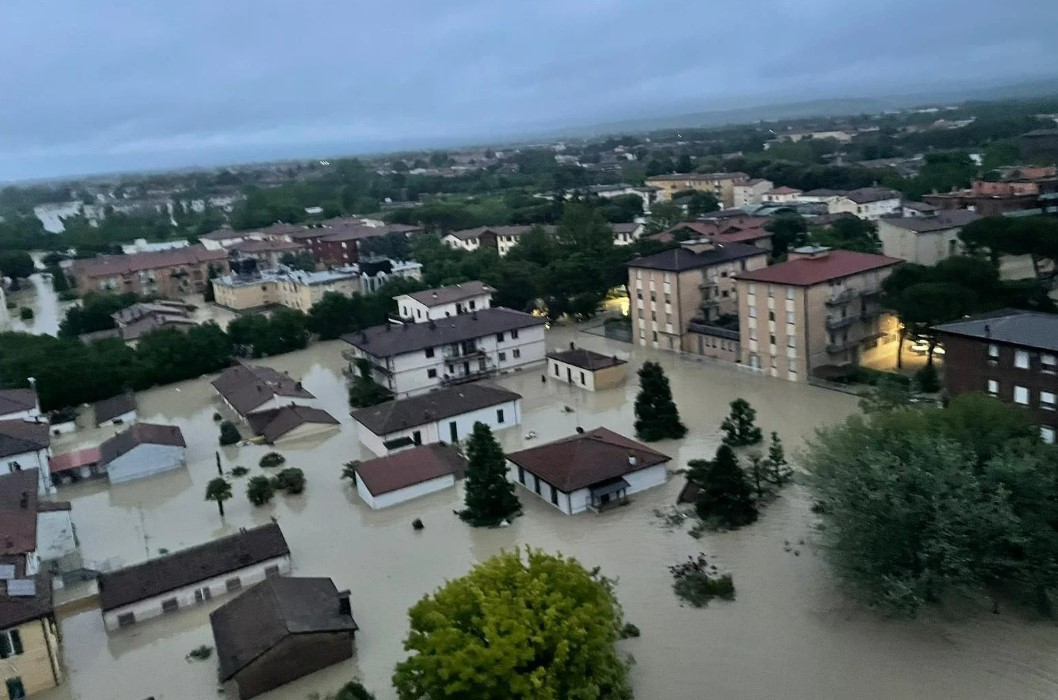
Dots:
{"x": 451, "y": 293}
{"x": 805, "y": 272}
{"x": 410, "y": 467}
{"x": 865, "y": 195}
{"x": 784, "y": 190}
{"x": 954, "y": 218}
{"x": 267, "y": 613}
{"x": 111, "y": 265}
{"x": 114, "y": 406}
{"x": 18, "y": 436}
{"x": 187, "y": 566}
{"x": 17, "y": 610}
{"x": 680, "y": 259}
{"x": 274, "y": 424}
{"x": 586, "y": 359}
{"x": 18, "y": 512}
{"x": 139, "y": 434}
{"x": 401, "y": 414}
{"x": 17, "y": 400}
{"x": 246, "y": 387}
{"x": 74, "y": 459}
{"x": 270, "y": 245}
{"x": 583, "y": 460}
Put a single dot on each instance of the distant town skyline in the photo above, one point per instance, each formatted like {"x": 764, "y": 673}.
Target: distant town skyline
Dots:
{"x": 102, "y": 88}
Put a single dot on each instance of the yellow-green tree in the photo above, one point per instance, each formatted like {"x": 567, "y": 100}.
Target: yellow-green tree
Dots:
{"x": 519, "y": 625}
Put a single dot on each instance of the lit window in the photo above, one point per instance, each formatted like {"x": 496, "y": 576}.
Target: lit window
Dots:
{"x": 1021, "y": 359}
{"x": 1047, "y": 434}
{"x": 1047, "y": 400}
{"x": 1048, "y": 364}
{"x": 1021, "y": 395}
{"x": 993, "y": 387}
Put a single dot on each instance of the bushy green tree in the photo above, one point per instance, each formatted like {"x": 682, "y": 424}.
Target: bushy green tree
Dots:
{"x": 291, "y": 480}
{"x": 218, "y": 490}
{"x": 16, "y": 265}
{"x": 490, "y": 497}
{"x": 260, "y": 490}
{"x": 778, "y": 468}
{"x": 94, "y": 313}
{"x": 533, "y": 627}
{"x": 725, "y": 497}
{"x": 740, "y": 426}
{"x": 229, "y": 434}
{"x": 788, "y": 231}
{"x": 365, "y": 391}
{"x": 656, "y": 414}
{"x": 353, "y": 690}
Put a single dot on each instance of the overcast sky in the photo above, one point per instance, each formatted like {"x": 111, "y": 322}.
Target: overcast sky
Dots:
{"x": 105, "y": 85}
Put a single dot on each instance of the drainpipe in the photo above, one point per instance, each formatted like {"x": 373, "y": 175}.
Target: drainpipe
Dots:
{"x": 52, "y": 661}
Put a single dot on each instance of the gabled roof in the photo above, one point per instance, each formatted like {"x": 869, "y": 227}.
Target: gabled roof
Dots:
{"x": 114, "y": 407}
{"x": 865, "y": 195}
{"x": 111, "y": 265}
{"x": 17, "y": 610}
{"x": 18, "y": 512}
{"x": 805, "y": 272}
{"x": 140, "y": 434}
{"x": 18, "y": 436}
{"x": 276, "y": 423}
{"x": 401, "y": 414}
{"x": 1026, "y": 328}
{"x": 410, "y": 467}
{"x": 75, "y": 459}
{"x": 187, "y": 566}
{"x": 471, "y": 233}
{"x": 451, "y": 294}
{"x": 943, "y": 220}
{"x": 267, "y": 613}
{"x": 586, "y": 359}
{"x": 583, "y": 460}
{"x": 680, "y": 259}
{"x": 246, "y": 387}
{"x": 17, "y": 400}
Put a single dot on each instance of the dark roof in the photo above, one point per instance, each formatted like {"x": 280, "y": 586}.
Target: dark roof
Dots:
{"x": 680, "y": 259}
{"x": 140, "y": 434}
{"x": 1027, "y": 328}
{"x": 469, "y": 233}
{"x": 278, "y": 422}
{"x": 425, "y": 408}
{"x": 114, "y": 407}
{"x": 451, "y": 294}
{"x": 823, "y": 192}
{"x": 18, "y": 512}
{"x": 16, "y": 610}
{"x": 246, "y": 387}
{"x": 18, "y": 436}
{"x": 270, "y": 611}
{"x": 584, "y": 460}
{"x": 109, "y": 265}
{"x": 223, "y": 234}
{"x": 626, "y": 227}
{"x": 953, "y": 218}
{"x": 410, "y": 467}
{"x": 395, "y": 339}
{"x": 586, "y": 359}
{"x": 865, "y": 195}
{"x": 17, "y": 400}
{"x": 208, "y": 560}
{"x": 805, "y": 272}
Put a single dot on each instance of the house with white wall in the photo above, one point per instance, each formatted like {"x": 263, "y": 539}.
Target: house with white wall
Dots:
{"x": 142, "y": 450}
{"x": 780, "y": 195}
{"x": 413, "y": 358}
{"x": 409, "y": 474}
{"x": 248, "y": 389}
{"x": 498, "y": 238}
{"x": 751, "y": 191}
{"x": 19, "y": 404}
{"x": 453, "y": 300}
{"x": 871, "y": 203}
{"x": 192, "y": 576}
{"x": 594, "y": 470}
{"x": 586, "y": 369}
{"x": 117, "y": 410}
{"x": 925, "y": 240}
{"x": 444, "y": 415}
{"x": 26, "y": 445}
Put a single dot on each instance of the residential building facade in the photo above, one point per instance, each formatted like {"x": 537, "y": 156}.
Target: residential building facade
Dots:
{"x": 169, "y": 273}
{"x": 142, "y": 450}
{"x": 871, "y": 203}
{"x": 453, "y": 300}
{"x": 720, "y": 185}
{"x": 750, "y": 192}
{"x": 586, "y": 369}
{"x": 419, "y": 471}
{"x": 780, "y": 195}
{"x": 499, "y": 238}
{"x": 925, "y": 240}
{"x": 338, "y": 243}
{"x": 26, "y": 445}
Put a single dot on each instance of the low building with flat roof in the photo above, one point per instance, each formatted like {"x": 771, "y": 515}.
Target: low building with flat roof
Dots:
{"x": 589, "y": 370}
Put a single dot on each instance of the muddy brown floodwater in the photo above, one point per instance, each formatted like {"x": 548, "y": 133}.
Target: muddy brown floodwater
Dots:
{"x": 790, "y": 634}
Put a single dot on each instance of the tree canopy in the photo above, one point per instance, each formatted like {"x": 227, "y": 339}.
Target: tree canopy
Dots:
{"x": 490, "y": 496}
{"x": 656, "y": 414}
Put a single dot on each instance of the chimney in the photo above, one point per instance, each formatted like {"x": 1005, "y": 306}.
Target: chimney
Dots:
{"x": 343, "y": 604}
{"x": 632, "y": 460}
{"x": 572, "y": 346}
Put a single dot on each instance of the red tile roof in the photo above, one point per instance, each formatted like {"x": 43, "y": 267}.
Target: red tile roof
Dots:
{"x": 110, "y": 265}
{"x": 75, "y": 459}
{"x": 805, "y": 272}
{"x": 783, "y": 190}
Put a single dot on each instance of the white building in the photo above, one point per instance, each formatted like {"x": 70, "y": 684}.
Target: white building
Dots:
{"x": 400, "y": 477}
{"x": 869, "y": 203}
{"x": 593, "y": 470}
{"x": 586, "y": 369}
{"x": 192, "y": 576}
{"x": 142, "y": 450}
{"x": 25, "y": 445}
{"x": 19, "y": 404}
{"x": 117, "y": 410}
{"x": 499, "y": 238}
{"x": 925, "y": 240}
{"x": 445, "y": 415}
{"x": 250, "y": 389}
{"x": 434, "y": 304}
{"x": 751, "y": 191}
{"x": 627, "y": 233}
{"x": 780, "y": 195}
{"x": 413, "y": 358}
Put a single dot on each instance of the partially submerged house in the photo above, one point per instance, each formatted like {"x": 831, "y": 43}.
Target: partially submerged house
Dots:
{"x": 19, "y": 404}
{"x": 76, "y": 465}
{"x": 117, "y": 410}
{"x": 409, "y": 474}
{"x": 584, "y": 368}
{"x": 24, "y": 445}
{"x": 290, "y": 423}
{"x": 592, "y": 470}
{"x": 279, "y": 630}
{"x": 247, "y": 389}
{"x": 143, "y": 449}
{"x": 192, "y": 576}
{"x": 445, "y": 415}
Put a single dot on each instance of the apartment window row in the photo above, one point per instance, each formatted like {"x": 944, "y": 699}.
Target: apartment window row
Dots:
{"x": 1048, "y": 362}
{"x": 1023, "y": 395}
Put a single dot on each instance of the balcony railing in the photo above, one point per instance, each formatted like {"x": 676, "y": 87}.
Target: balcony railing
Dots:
{"x": 454, "y": 379}
{"x": 836, "y": 324}
{"x": 717, "y": 331}
{"x": 451, "y": 353}
{"x": 842, "y": 297}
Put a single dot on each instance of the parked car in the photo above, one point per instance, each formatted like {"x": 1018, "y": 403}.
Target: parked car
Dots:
{"x": 921, "y": 347}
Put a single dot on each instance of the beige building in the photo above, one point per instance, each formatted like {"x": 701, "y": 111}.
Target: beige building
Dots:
{"x": 169, "y": 273}
{"x": 750, "y": 192}
{"x": 588, "y": 370}
{"x": 684, "y": 299}
{"x": 925, "y": 240}
{"x": 820, "y": 308}
{"x": 721, "y": 185}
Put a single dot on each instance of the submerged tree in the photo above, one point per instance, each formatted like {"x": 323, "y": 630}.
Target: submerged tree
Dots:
{"x": 739, "y": 425}
{"x": 260, "y": 490}
{"x": 218, "y": 490}
{"x": 490, "y": 496}
{"x": 365, "y": 391}
{"x": 725, "y": 497}
{"x": 778, "y": 468}
{"x": 229, "y": 434}
{"x": 657, "y": 417}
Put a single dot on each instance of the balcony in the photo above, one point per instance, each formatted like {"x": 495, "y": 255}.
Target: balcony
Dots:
{"x": 836, "y": 324}
{"x": 461, "y": 352}
{"x": 842, "y": 297}
{"x": 699, "y": 326}
{"x": 455, "y": 379}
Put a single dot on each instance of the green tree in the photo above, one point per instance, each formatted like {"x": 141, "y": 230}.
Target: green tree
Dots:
{"x": 696, "y": 202}
{"x": 291, "y": 480}
{"x": 663, "y": 216}
{"x": 533, "y": 627}
{"x": 260, "y": 490}
{"x": 302, "y": 260}
{"x": 333, "y": 316}
{"x": 788, "y": 231}
{"x": 94, "y": 313}
{"x": 59, "y": 281}
{"x": 353, "y": 690}
{"x": 739, "y": 425}
{"x": 490, "y": 498}
{"x": 849, "y": 232}
{"x": 725, "y": 497}
{"x": 16, "y": 265}
{"x": 656, "y": 414}
{"x": 229, "y": 434}
{"x": 779, "y": 469}
{"x": 365, "y": 391}
{"x": 218, "y": 490}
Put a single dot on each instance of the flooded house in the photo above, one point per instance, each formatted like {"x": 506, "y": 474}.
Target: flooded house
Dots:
{"x": 585, "y": 368}
{"x": 290, "y": 423}
{"x": 117, "y": 410}
{"x": 19, "y": 404}
{"x": 272, "y": 403}
{"x": 409, "y": 474}
{"x": 593, "y": 470}
{"x": 435, "y": 304}
{"x": 25, "y": 445}
{"x": 192, "y": 576}
{"x": 142, "y": 450}
{"x": 282, "y": 629}
{"x": 446, "y": 415}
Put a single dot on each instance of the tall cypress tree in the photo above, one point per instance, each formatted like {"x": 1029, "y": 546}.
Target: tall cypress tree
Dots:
{"x": 726, "y": 495}
{"x": 490, "y": 497}
{"x": 657, "y": 417}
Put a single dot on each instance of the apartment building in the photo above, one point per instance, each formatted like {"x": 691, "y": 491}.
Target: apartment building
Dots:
{"x": 340, "y": 242}
{"x": 677, "y": 295}
{"x": 871, "y": 203}
{"x": 453, "y": 300}
{"x": 924, "y": 239}
{"x": 168, "y": 273}
{"x": 720, "y": 185}
{"x": 499, "y": 238}
{"x": 820, "y": 308}
{"x": 1011, "y": 355}
{"x": 750, "y": 192}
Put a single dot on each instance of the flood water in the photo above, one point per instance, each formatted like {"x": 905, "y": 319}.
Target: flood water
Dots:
{"x": 790, "y": 633}
{"x": 38, "y": 294}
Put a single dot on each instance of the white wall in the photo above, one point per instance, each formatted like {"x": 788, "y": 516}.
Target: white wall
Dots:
{"x": 152, "y": 607}
{"x": 37, "y": 459}
{"x": 870, "y": 211}
{"x": 145, "y": 460}
{"x": 579, "y": 500}
{"x": 123, "y": 419}
{"x": 927, "y": 248}
{"x": 570, "y": 374}
{"x": 405, "y": 494}
{"x": 31, "y": 414}
{"x": 55, "y": 534}
{"x": 418, "y": 312}
{"x": 439, "y": 431}
{"x": 456, "y": 242}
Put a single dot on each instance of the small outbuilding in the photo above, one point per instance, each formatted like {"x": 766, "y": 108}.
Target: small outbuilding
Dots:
{"x": 290, "y": 423}
{"x": 76, "y": 465}
{"x": 594, "y": 470}
{"x": 409, "y": 474}
{"x": 117, "y": 410}
{"x": 280, "y": 630}
{"x": 143, "y": 449}
{"x": 24, "y": 445}
{"x": 587, "y": 369}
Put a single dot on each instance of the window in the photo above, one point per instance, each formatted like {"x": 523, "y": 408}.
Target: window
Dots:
{"x": 521, "y": 475}
{"x": 431, "y": 373}
{"x": 582, "y": 382}
{"x": 993, "y": 354}
{"x": 771, "y": 315}
{"x": 10, "y": 643}
{"x": 503, "y": 357}
{"x": 499, "y": 415}
{"x": 653, "y": 296}
{"x": 771, "y": 339}
{"x": 752, "y": 312}
{"x": 655, "y": 334}
{"x": 272, "y": 570}
{"x": 556, "y": 367}
{"x": 473, "y": 304}
{"x": 170, "y": 605}
{"x": 789, "y": 293}
{"x": 536, "y": 484}
{"x": 1047, "y": 434}
{"x": 790, "y": 317}
{"x": 1048, "y": 364}
{"x": 993, "y": 387}
{"x": 233, "y": 584}
{"x": 1021, "y": 395}
{"x": 202, "y": 594}
{"x": 1021, "y": 359}
{"x": 15, "y": 689}
{"x": 127, "y": 619}
{"x": 668, "y": 298}
{"x": 1047, "y": 400}
{"x": 653, "y": 315}
{"x": 554, "y": 495}
{"x": 416, "y": 437}
{"x": 499, "y": 337}
{"x": 517, "y": 353}
{"x": 429, "y": 352}
{"x": 514, "y": 334}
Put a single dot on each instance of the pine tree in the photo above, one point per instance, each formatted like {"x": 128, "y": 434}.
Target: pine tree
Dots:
{"x": 726, "y": 495}
{"x": 490, "y": 497}
{"x": 656, "y": 414}
{"x": 739, "y": 425}
{"x": 778, "y": 467}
